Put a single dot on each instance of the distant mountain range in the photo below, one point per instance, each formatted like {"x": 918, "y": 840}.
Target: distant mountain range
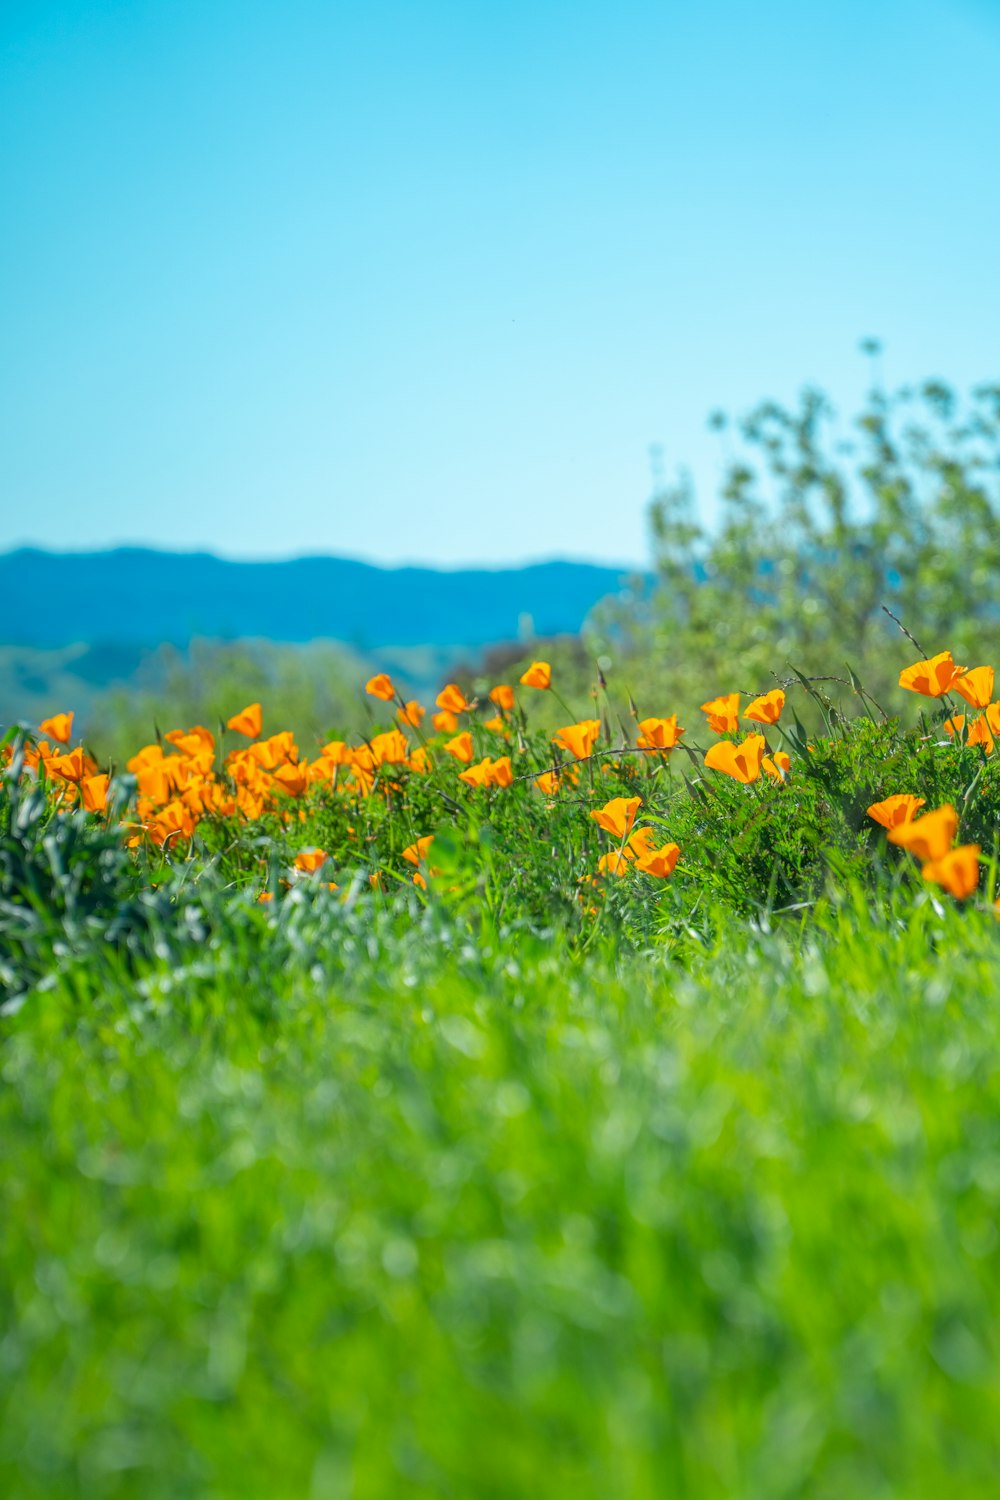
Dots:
{"x": 135, "y": 596}
{"x": 76, "y": 626}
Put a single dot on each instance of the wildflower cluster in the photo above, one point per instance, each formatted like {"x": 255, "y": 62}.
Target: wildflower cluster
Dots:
{"x": 374, "y": 809}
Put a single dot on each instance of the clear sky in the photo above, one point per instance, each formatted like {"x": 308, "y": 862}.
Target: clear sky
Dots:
{"x": 424, "y": 281}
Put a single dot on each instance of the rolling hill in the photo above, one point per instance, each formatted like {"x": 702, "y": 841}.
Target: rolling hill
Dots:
{"x": 78, "y": 625}
{"x": 135, "y": 596}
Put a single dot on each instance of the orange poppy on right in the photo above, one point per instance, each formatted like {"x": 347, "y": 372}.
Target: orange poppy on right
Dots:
{"x": 59, "y": 727}
{"x": 461, "y": 747}
{"x": 578, "y": 739}
{"x": 741, "y": 762}
{"x": 538, "y": 675}
{"x": 617, "y": 816}
{"x": 659, "y": 734}
{"x": 659, "y": 862}
{"x": 451, "y": 699}
{"x": 411, "y": 713}
{"x": 248, "y": 721}
{"x": 308, "y": 860}
{"x": 94, "y": 790}
{"x": 777, "y": 766}
{"x": 767, "y": 708}
{"x": 416, "y": 852}
{"x": 933, "y": 677}
{"x": 976, "y": 686}
{"x": 957, "y": 871}
{"x": 929, "y": 837}
{"x": 977, "y": 731}
{"x": 381, "y": 686}
{"x": 895, "y": 810}
{"x": 723, "y": 713}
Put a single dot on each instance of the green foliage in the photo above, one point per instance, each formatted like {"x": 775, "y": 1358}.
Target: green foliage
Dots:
{"x": 308, "y": 689}
{"x": 816, "y": 533}
{"x": 331, "y": 1202}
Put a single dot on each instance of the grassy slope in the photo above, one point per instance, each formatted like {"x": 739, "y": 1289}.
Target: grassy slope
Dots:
{"x": 500, "y": 1225}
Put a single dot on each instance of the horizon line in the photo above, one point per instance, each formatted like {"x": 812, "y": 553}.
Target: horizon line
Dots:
{"x": 104, "y": 549}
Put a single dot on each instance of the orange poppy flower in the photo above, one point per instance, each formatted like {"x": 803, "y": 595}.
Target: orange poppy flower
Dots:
{"x": 363, "y": 760}
{"x": 976, "y": 686}
{"x": 659, "y": 734}
{"x": 503, "y": 697}
{"x": 292, "y": 779}
{"x": 895, "y": 810}
{"x": 723, "y": 713}
{"x": 192, "y": 741}
{"x": 277, "y": 750}
{"x": 451, "y": 699}
{"x": 461, "y": 747}
{"x": 419, "y": 761}
{"x": 613, "y": 863}
{"x": 477, "y": 775}
{"x": 364, "y": 779}
{"x": 659, "y": 862}
{"x": 148, "y": 756}
{"x": 337, "y": 753}
{"x": 776, "y": 766}
{"x": 980, "y": 734}
{"x": 640, "y": 843}
{"x": 578, "y": 739}
{"x": 977, "y": 733}
{"x": 308, "y": 860}
{"x": 548, "y": 783}
{"x": 381, "y": 686}
{"x": 502, "y": 772}
{"x": 538, "y": 675}
{"x": 321, "y": 769}
{"x": 957, "y": 871}
{"x": 497, "y": 725}
{"x": 933, "y": 677}
{"x": 445, "y": 722}
{"x": 742, "y": 762}
{"x": 767, "y": 708}
{"x": 94, "y": 790}
{"x": 390, "y": 748}
{"x": 155, "y": 782}
{"x": 929, "y": 837}
{"x": 172, "y": 822}
{"x": 60, "y": 727}
{"x": 248, "y": 721}
{"x": 412, "y": 713}
{"x": 618, "y": 815}
{"x": 250, "y": 803}
{"x": 70, "y": 767}
{"x": 417, "y": 852}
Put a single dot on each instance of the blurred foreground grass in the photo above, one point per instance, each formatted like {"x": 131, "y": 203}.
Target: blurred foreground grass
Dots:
{"x": 386, "y": 1213}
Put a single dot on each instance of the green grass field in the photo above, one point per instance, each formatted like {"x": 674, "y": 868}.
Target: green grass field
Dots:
{"x": 430, "y": 1121}
{"x": 337, "y": 1204}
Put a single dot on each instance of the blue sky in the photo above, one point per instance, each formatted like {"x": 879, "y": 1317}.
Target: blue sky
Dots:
{"x": 425, "y": 281}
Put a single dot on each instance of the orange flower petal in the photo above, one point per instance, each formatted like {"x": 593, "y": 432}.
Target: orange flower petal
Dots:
{"x": 895, "y": 810}
{"x": 538, "y": 675}
{"x": 957, "y": 871}
{"x": 932, "y": 677}
{"x": 929, "y": 837}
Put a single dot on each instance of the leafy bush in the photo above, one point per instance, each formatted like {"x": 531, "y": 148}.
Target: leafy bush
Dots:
{"x": 816, "y": 534}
